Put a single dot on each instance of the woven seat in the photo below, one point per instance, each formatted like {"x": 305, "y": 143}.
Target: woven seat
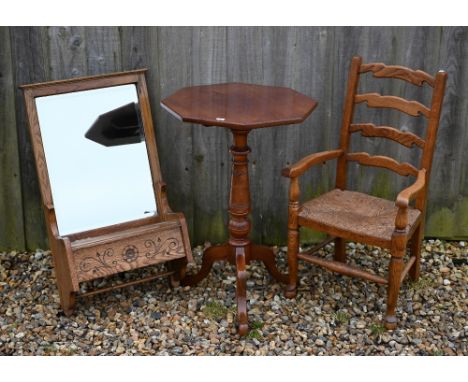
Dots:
{"x": 350, "y": 214}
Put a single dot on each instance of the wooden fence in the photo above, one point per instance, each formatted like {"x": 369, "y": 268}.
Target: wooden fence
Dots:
{"x": 195, "y": 161}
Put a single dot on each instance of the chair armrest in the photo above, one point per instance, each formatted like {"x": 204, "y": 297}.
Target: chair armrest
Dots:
{"x": 305, "y": 163}
{"x": 409, "y": 193}
{"x": 404, "y": 198}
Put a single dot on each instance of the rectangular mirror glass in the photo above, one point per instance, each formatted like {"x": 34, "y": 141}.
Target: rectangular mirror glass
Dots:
{"x": 96, "y": 157}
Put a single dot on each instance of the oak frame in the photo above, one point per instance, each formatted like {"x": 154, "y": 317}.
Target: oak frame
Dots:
{"x": 403, "y": 234}
{"x": 83, "y": 256}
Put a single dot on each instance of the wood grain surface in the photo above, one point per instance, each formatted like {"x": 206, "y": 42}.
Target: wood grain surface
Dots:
{"x": 239, "y": 106}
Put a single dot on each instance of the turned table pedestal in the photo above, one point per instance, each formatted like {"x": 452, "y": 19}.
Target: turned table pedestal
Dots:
{"x": 240, "y": 108}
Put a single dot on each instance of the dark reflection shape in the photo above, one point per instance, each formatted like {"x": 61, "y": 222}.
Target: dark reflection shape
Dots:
{"x": 121, "y": 126}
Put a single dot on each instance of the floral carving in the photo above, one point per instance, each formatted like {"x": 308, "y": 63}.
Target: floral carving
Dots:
{"x": 94, "y": 264}
{"x": 107, "y": 260}
{"x": 130, "y": 254}
{"x": 169, "y": 247}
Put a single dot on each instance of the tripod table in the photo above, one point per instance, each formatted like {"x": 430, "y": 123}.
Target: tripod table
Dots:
{"x": 241, "y": 108}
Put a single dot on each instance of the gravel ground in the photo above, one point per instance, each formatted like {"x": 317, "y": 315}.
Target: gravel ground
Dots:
{"x": 332, "y": 314}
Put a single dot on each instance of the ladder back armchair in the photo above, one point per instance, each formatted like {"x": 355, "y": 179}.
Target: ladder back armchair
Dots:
{"x": 349, "y": 215}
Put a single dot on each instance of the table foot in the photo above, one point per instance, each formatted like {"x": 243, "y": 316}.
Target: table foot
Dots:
{"x": 211, "y": 255}
{"x": 240, "y": 256}
{"x": 267, "y": 256}
{"x": 241, "y": 291}
{"x": 179, "y": 266}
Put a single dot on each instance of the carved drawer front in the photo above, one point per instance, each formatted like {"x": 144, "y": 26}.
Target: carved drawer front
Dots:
{"x": 136, "y": 248}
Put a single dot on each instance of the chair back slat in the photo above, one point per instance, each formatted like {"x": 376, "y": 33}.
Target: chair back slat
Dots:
{"x": 415, "y": 77}
{"x": 403, "y": 137}
{"x": 364, "y": 158}
{"x": 413, "y": 108}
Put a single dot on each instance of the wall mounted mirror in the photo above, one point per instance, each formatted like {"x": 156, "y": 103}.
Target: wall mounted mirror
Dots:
{"x": 104, "y": 199}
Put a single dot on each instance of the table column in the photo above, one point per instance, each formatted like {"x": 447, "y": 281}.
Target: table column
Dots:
{"x": 239, "y": 223}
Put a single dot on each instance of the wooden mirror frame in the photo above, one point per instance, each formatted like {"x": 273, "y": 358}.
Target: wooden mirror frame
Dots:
{"x": 96, "y": 253}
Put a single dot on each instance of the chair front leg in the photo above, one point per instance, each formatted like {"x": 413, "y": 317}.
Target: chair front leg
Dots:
{"x": 293, "y": 238}
{"x": 394, "y": 277}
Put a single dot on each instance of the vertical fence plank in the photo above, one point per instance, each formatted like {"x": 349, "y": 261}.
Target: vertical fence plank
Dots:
{"x": 103, "y": 50}
{"x": 211, "y": 160}
{"x": 175, "y": 137}
{"x": 67, "y": 52}
{"x": 134, "y": 47}
{"x": 30, "y": 63}
{"x": 11, "y": 206}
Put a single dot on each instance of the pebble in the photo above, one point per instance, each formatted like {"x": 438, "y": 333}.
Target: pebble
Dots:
{"x": 360, "y": 324}
{"x": 319, "y": 342}
{"x": 38, "y": 255}
{"x": 331, "y": 315}
{"x": 192, "y": 305}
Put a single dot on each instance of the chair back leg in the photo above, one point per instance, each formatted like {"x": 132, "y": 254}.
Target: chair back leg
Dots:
{"x": 340, "y": 250}
{"x": 415, "y": 250}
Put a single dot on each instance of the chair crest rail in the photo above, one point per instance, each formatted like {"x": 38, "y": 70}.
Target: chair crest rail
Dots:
{"x": 370, "y": 130}
{"x": 415, "y": 77}
{"x": 374, "y": 100}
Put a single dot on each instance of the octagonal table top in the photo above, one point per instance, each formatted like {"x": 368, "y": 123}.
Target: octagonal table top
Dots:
{"x": 239, "y": 106}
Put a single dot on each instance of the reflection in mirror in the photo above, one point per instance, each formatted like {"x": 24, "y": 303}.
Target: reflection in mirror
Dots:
{"x": 96, "y": 158}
